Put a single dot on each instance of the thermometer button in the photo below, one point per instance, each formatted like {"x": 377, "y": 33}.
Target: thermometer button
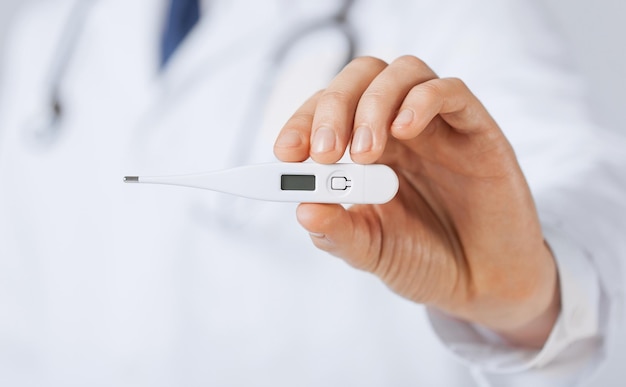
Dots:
{"x": 340, "y": 183}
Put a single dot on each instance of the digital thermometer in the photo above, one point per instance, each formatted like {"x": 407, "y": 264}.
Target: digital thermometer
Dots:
{"x": 294, "y": 182}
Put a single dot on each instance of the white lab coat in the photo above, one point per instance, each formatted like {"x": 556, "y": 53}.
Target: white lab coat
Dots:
{"x": 106, "y": 284}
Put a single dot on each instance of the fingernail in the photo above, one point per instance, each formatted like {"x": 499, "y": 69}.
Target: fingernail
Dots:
{"x": 362, "y": 141}
{"x": 289, "y": 139}
{"x": 323, "y": 140}
{"x": 317, "y": 235}
{"x": 404, "y": 118}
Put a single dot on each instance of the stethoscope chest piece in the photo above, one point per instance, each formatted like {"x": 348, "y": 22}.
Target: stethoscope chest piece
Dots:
{"x": 42, "y": 129}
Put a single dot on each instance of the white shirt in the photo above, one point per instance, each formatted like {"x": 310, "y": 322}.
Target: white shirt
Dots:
{"x": 106, "y": 284}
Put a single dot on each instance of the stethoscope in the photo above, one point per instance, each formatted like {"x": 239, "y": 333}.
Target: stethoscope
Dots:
{"x": 46, "y": 126}
{"x": 46, "y": 129}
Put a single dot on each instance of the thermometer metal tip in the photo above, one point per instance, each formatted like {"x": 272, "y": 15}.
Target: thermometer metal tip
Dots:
{"x": 294, "y": 182}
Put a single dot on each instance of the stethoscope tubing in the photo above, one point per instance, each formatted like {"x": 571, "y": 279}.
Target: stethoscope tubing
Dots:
{"x": 50, "y": 123}
{"x": 50, "y": 126}
{"x": 47, "y": 126}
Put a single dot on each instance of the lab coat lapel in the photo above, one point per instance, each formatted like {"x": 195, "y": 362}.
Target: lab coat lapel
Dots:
{"x": 220, "y": 35}
{"x": 221, "y": 39}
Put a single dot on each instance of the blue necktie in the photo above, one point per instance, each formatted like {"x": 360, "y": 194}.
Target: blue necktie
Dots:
{"x": 183, "y": 16}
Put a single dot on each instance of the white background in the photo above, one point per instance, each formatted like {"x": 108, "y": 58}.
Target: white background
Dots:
{"x": 595, "y": 30}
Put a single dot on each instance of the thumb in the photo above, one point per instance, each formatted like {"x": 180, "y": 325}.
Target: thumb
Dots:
{"x": 352, "y": 235}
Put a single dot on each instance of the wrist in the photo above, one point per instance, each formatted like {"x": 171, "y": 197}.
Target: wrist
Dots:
{"x": 535, "y": 332}
{"x": 536, "y": 316}
{"x": 523, "y": 314}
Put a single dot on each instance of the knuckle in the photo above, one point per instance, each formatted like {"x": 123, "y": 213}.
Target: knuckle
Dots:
{"x": 375, "y": 94}
{"x": 411, "y": 61}
{"x": 456, "y": 83}
{"x": 432, "y": 90}
{"x": 368, "y": 62}
{"x": 318, "y": 93}
{"x": 336, "y": 97}
{"x": 301, "y": 119}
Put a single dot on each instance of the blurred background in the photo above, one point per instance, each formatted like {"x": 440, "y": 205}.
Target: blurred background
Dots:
{"x": 595, "y": 30}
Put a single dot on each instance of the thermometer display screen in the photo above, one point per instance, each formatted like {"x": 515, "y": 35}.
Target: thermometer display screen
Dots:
{"x": 297, "y": 182}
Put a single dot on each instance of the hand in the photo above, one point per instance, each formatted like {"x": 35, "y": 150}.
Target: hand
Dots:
{"x": 463, "y": 234}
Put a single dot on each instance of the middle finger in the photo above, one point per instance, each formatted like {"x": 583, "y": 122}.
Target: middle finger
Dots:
{"x": 379, "y": 105}
{"x": 334, "y": 113}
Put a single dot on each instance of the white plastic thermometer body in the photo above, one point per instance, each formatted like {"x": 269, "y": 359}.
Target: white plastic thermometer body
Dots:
{"x": 294, "y": 182}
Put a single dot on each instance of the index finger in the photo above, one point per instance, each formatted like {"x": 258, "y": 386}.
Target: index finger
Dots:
{"x": 449, "y": 98}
